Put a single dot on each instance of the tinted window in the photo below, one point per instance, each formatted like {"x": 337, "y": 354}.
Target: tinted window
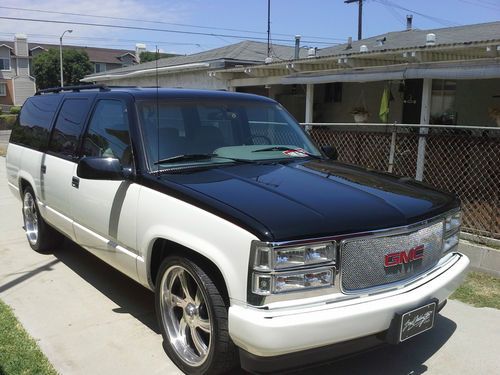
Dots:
{"x": 33, "y": 126}
{"x": 68, "y": 127}
{"x": 108, "y": 133}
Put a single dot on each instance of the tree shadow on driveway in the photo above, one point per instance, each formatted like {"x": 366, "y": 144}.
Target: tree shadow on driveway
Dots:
{"x": 132, "y": 298}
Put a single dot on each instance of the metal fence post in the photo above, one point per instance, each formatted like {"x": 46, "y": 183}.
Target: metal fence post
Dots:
{"x": 425, "y": 113}
{"x": 392, "y": 151}
{"x": 422, "y": 143}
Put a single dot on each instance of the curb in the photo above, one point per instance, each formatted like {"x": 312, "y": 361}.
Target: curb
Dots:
{"x": 482, "y": 258}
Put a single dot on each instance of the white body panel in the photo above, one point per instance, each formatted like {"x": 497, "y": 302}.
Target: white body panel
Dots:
{"x": 55, "y": 192}
{"x": 272, "y": 333}
{"x": 104, "y": 214}
{"x": 224, "y": 243}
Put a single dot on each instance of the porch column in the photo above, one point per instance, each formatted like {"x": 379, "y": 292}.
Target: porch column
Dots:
{"x": 309, "y": 104}
{"x": 425, "y": 114}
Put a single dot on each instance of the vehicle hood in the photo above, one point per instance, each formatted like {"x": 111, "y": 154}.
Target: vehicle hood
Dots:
{"x": 310, "y": 198}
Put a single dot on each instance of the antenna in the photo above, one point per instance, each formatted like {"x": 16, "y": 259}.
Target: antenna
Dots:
{"x": 268, "y": 28}
{"x": 157, "y": 112}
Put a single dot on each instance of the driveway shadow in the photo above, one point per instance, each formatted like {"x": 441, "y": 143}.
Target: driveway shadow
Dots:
{"x": 131, "y": 297}
{"x": 406, "y": 358}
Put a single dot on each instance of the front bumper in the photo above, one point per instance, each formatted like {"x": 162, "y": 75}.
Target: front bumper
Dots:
{"x": 269, "y": 333}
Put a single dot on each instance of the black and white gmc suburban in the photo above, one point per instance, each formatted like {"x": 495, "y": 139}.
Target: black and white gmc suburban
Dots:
{"x": 260, "y": 249}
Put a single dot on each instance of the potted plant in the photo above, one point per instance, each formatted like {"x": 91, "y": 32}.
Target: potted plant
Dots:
{"x": 360, "y": 114}
{"x": 495, "y": 114}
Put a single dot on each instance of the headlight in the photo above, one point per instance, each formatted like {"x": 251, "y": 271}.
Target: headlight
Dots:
{"x": 286, "y": 269}
{"x": 451, "y": 231}
{"x": 265, "y": 284}
{"x": 269, "y": 258}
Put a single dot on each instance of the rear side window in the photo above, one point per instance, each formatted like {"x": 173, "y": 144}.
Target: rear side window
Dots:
{"x": 32, "y": 128}
{"x": 68, "y": 127}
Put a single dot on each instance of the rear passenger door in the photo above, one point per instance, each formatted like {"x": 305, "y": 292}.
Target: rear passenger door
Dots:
{"x": 104, "y": 211}
{"x": 59, "y": 163}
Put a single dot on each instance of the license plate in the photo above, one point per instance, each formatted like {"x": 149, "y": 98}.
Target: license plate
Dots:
{"x": 417, "y": 321}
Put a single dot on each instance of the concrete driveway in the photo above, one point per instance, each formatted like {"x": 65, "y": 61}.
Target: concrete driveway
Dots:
{"x": 90, "y": 319}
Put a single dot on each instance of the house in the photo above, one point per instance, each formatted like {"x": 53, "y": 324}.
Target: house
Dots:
{"x": 455, "y": 72}
{"x": 16, "y": 81}
{"x": 192, "y": 71}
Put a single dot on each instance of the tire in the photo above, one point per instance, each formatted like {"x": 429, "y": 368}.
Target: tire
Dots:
{"x": 193, "y": 320}
{"x": 41, "y": 237}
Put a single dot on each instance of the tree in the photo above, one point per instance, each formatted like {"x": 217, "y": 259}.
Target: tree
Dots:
{"x": 147, "y": 56}
{"x": 76, "y": 65}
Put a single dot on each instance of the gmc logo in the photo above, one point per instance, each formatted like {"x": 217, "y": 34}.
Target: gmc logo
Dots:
{"x": 403, "y": 257}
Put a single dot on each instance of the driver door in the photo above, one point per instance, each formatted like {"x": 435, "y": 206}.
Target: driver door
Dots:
{"x": 103, "y": 210}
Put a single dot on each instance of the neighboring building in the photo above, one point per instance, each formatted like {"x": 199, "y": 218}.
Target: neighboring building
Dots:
{"x": 191, "y": 71}
{"x": 455, "y": 72}
{"x": 16, "y": 81}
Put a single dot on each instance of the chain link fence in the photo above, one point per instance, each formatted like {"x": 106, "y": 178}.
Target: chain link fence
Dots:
{"x": 461, "y": 159}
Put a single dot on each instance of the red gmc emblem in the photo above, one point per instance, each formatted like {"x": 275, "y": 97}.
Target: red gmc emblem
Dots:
{"x": 403, "y": 257}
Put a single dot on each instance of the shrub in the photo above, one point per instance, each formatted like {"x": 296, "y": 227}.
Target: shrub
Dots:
{"x": 15, "y": 110}
{"x": 7, "y": 122}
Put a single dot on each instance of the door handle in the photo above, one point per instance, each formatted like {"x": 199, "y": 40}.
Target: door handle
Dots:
{"x": 75, "y": 182}
{"x": 43, "y": 168}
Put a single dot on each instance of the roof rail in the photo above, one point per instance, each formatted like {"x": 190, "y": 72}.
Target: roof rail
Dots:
{"x": 73, "y": 88}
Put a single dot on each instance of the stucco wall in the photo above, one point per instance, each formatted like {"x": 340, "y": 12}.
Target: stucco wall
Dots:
{"x": 193, "y": 80}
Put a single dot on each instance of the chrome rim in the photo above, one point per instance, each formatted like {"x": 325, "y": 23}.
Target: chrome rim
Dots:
{"x": 185, "y": 315}
{"x": 30, "y": 218}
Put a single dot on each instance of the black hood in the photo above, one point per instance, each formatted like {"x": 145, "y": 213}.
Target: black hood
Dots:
{"x": 306, "y": 199}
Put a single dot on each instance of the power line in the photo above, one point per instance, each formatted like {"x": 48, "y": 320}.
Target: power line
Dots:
{"x": 148, "y": 29}
{"x": 440, "y": 21}
{"x": 484, "y": 5}
{"x": 48, "y": 36}
{"x": 157, "y": 22}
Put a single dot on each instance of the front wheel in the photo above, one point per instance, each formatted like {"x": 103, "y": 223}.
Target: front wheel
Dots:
{"x": 193, "y": 319}
{"x": 41, "y": 237}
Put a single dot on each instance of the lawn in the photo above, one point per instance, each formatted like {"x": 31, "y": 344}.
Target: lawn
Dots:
{"x": 19, "y": 353}
{"x": 480, "y": 290}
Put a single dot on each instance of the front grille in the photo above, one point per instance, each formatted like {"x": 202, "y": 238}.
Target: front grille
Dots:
{"x": 362, "y": 259}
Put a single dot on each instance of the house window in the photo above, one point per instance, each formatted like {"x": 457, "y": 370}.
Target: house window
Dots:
{"x": 4, "y": 63}
{"x": 443, "y": 111}
{"x": 3, "y": 89}
{"x": 100, "y": 67}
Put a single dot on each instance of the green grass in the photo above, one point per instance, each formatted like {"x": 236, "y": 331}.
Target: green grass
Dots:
{"x": 19, "y": 353}
{"x": 480, "y": 290}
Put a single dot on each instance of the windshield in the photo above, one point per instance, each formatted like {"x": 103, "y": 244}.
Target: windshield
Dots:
{"x": 178, "y": 133}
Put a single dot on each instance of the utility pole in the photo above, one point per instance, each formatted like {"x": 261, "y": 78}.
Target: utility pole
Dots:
{"x": 360, "y": 16}
{"x": 61, "y": 55}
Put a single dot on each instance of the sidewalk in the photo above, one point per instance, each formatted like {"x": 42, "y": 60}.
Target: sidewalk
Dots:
{"x": 90, "y": 319}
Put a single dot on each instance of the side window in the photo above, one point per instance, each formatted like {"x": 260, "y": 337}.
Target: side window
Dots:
{"x": 32, "y": 128}
{"x": 108, "y": 133}
{"x": 68, "y": 127}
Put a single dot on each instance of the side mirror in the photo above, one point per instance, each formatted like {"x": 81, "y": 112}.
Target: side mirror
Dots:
{"x": 330, "y": 152}
{"x": 94, "y": 168}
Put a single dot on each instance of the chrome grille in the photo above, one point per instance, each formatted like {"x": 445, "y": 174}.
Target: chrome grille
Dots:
{"x": 362, "y": 259}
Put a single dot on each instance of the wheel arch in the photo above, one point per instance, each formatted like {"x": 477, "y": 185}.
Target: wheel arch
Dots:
{"x": 162, "y": 248}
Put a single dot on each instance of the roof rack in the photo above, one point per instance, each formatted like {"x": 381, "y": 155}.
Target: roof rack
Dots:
{"x": 73, "y": 88}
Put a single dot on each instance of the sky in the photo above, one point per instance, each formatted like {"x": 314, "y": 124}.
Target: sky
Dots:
{"x": 320, "y": 22}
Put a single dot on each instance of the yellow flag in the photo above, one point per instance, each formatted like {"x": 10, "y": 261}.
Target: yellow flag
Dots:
{"x": 383, "y": 113}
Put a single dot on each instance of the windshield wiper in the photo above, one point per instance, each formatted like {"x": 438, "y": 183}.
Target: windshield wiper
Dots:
{"x": 194, "y": 157}
{"x": 283, "y": 148}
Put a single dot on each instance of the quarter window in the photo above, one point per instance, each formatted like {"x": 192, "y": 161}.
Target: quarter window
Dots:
{"x": 68, "y": 127}
{"x": 108, "y": 133}
{"x": 33, "y": 124}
